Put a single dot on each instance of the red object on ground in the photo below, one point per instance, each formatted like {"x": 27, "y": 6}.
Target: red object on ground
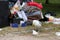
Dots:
{"x": 35, "y": 4}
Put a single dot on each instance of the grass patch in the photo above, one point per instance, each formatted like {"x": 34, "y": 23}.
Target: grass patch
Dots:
{"x": 53, "y": 6}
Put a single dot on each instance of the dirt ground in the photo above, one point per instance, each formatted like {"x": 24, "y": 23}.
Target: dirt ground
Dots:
{"x": 10, "y": 33}
{"x": 18, "y": 36}
{"x": 42, "y": 36}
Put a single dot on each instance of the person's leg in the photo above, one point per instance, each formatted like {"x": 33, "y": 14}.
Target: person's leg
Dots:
{"x": 24, "y": 16}
{"x": 19, "y": 14}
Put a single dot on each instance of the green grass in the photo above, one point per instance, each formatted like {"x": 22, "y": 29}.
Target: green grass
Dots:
{"x": 50, "y": 1}
{"x": 53, "y": 6}
{"x": 54, "y": 1}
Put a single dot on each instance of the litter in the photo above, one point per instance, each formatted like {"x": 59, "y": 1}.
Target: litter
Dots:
{"x": 0, "y": 29}
{"x": 56, "y": 21}
{"x": 57, "y": 33}
{"x": 34, "y": 32}
{"x": 36, "y": 23}
{"x": 50, "y": 18}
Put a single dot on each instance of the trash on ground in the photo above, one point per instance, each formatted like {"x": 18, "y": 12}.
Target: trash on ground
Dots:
{"x": 37, "y": 23}
{"x": 56, "y": 21}
{"x": 34, "y": 32}
{"x": 50, "y": 18}
{"x": 1, "y": 29}
{"x": 57, "y": 33}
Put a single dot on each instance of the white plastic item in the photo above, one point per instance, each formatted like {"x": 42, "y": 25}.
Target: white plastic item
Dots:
{"x": 36, "y": 23}
{"x": 0, "y": 29}
{"x": 57, "y": 33}
{"x": 56, "y": 21}
{"x": 34, "y": 32}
